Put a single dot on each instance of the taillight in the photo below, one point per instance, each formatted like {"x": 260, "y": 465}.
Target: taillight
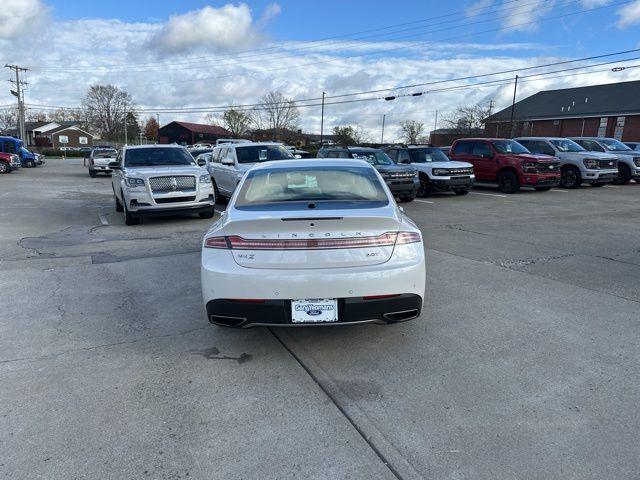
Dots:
{"x": 380, "y": 297}
{"x": 385, "y": 240}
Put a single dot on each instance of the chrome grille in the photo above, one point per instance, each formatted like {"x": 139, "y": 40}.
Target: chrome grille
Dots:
{"x": 608, "y": 164}
{"x": 460, "y": 171}
{"x": 172, "y": 184}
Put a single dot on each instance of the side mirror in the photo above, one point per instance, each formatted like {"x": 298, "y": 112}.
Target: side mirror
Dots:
{"x": 487, "y": 155}
{"x": 227, "y": 161}
{"x": 114, "y": 165}
{"x": 201, "y": 162}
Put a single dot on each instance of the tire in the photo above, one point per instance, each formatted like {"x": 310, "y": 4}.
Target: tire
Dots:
{"x": 425, "y": 188}
{"x": 92, "y": 174}
{"x": 598, "y": 184}
{"x": 407, "y": 199}
{"x": 624, "y": 174}
{"x": 461, "y": 192}
{"x": 130, "y": 218}
{"x": 216, "y": 192}
{"x": 542, "y": 189}
{"x": 570, "y": 177}
{"x": 119, "y": 207}
{"x": 4, "y": 167}
{"x": 508, "y": 182}
{"x": 208, "y": 213}
{"x": 30, "y": 164}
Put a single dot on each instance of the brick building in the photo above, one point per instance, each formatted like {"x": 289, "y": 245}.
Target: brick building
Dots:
{"x": 611, "y": 110}
{"x": 186, "y": 133}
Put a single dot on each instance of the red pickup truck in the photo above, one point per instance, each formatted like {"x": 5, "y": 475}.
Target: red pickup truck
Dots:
{"x": 507, "y": 163}
{"x": 9, "y": 162}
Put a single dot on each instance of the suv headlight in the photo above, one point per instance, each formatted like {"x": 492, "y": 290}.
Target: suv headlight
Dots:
{"x": 205, "y": 179}
{"x": 590, "y": 163}
{"x": 134, "y": 182}
{"x": 636, "y": 160}
{"x": 441, "y": 172}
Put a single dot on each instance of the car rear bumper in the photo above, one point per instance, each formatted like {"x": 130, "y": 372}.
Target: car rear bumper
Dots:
{"x": 540, "y": 180}
{"x": 351, "y": 310}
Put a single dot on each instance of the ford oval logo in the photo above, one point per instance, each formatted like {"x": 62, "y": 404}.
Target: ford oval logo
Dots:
{"x": 314, "y": 312}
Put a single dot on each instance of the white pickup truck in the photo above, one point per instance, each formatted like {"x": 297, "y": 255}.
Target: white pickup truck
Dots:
{"x": 99, "y": 159}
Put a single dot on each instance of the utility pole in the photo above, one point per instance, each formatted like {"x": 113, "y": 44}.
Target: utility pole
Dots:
{"x": 435, "y": 124}
{"x": 322, "y": 120}
{"x": 20, "y": 94}
{"x": 384, "y": 117}
{"x": 125, "y": 128}
{"x": 513, "y": 107}
{"x": 490, "y": 108}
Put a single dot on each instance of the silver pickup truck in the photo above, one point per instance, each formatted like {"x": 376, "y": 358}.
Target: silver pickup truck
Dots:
{"x": 99, "y": 159}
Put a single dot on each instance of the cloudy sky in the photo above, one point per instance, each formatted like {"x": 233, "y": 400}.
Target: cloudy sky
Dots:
{"x": 191, "y": 55}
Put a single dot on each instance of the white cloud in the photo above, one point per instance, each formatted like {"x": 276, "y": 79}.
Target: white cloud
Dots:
{"x": 629, "y": 14}
{"x": 524, "y": 17}
{"x": 228, "y": 28}
{"x": 16, "y": 14}
{"x": 477, "y": 7}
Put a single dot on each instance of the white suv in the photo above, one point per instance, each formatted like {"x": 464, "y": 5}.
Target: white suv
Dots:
{"x": 158, "y": 180}
{"x": 229, "y": 162}
{"x": 577, "y": 165}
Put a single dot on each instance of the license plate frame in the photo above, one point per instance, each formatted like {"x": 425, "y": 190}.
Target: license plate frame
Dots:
{"x": 314, "y": 310}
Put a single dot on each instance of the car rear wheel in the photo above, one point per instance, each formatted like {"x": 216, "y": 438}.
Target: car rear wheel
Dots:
{"x": 598, "y": 184}
{"x": 570, "y": 177}
{"x": 624, "y": 175}
{"x": 542, "y": 189}
{"x": 508, "y": 182}
{"x": 4, "y": 167}
{"x": 461, "y": 192}
{"x": 425, "y": 187}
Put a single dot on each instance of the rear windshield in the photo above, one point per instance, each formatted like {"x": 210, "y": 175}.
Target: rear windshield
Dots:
{"x": 104, "y": 153}
{"x": 152, "y": 157}
{"x": 425, "y": 155}
{"x": 262, "y": 153}
{"x": 509, "y": 146}
{"x": 566, "y": 145}
{"x": 311, "y": 184}
{"x": 374, "y": 157}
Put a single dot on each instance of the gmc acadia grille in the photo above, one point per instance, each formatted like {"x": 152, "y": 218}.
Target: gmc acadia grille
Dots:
{"x": 172, "y": 184}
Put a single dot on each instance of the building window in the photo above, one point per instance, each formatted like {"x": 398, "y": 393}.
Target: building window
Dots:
{"x": 619, "y": 128}
{"x": 602, "y": 129}
{"x": 63, "y": 139}
{"x": 83, "y": 140}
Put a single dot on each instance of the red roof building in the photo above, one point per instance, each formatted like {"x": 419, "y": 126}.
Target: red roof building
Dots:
{"x": 186, "y": 133}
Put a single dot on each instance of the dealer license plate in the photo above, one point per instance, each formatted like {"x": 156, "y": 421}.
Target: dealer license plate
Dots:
{"x": 314, "y": 310}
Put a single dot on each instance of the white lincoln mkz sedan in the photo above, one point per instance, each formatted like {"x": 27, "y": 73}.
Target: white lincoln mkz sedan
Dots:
{"x": 308, "y": 242}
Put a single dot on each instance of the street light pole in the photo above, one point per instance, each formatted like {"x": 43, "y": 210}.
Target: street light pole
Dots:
{"x": 513, "y": 106}
{"x": 322, "y": 120}
{"x": 384, "y": 117}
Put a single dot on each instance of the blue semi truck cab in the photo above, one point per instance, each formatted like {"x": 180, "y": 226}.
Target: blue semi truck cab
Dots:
{"x": 15, "y": 146}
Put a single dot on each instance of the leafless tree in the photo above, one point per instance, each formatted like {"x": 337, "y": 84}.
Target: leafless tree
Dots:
{"x": 8, "y": 118}
{"x": 412, "y": 130}
{"x": 466, "y": 119}
{"x": 349, "y": 135}
{"x": 276, "y": 113}
{"x": 236, "y": 121}
{"x": 105, "y": 108}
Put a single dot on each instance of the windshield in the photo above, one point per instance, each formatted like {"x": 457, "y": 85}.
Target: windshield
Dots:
{"x": 262, "y": 153}
{"x": 24, "y": 151}
{"x": 424, "y": 155}
{"x": 152, "y": 157}
{"x": 374, "y": 157}
{"x": 614, "y": 145}
{"x": 566, "y": 145}
{"x": 509, "y": 146}
{"x": 310, "y": 184}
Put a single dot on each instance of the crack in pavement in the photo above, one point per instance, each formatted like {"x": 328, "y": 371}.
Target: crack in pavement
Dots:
{"x": 97, "y": 347}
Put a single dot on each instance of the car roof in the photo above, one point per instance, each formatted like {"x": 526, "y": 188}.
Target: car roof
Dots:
{"x": 246, "y": 144}
{"x": 542, "y": 138}
{"x": 312, "y": 162}
{"x": 157, "y": 145}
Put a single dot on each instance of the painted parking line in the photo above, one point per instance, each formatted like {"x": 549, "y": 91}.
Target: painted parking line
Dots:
{"x": 489, "y": 194}
{"x": 422, "y": 201}
{"x": 611, "y": 186}
{"x": 103, "y": 219}
{"x": 558, "y": 190}
{"x": 219, "y": 212}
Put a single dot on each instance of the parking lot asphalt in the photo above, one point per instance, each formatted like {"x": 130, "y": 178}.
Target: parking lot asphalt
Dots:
{"x": 523, "y": 365}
